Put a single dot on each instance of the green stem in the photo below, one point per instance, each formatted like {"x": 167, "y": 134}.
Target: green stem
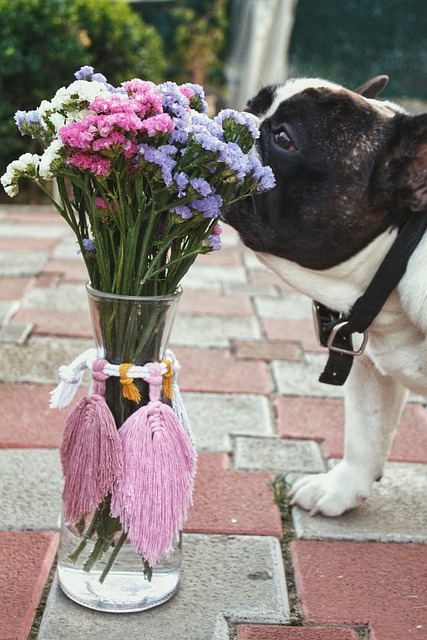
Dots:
{"x": 113, "y": 556}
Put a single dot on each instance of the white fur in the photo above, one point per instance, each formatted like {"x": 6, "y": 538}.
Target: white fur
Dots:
{"x": 377, "y": 388}
{"x": 395, "y": 359}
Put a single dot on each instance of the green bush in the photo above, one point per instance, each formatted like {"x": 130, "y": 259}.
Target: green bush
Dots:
{"x": 350, "y": 41}
{"x": 45, "y": 41}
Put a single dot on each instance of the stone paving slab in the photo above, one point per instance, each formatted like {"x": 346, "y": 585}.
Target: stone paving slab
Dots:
{"x": 396, "y": 511}
{"x": 39, "y": 358}
{"x": 30, "y": 489}
{"x": 196, "y": 331}
{"x": 294, "y": 330}
{"x": 302, "y": 378}
{"x": 240, "y": 577}
{"x": 214, "y": 417}
{"x": 216, "y": 370}
{"x": 56, "y": 323}
{"x": 383, "y": 585}
{"x": 20, "y": 591}
{"x": 66, "y": 297}
{"x": 230, "y": 501}
{"x": 33, "y": 425}
{"x": 203, "y": 302}
{"x": 273, "y": 632}
{"x": 322, "y": 419}
{"x": 278, "y": 456}
{"x": 24, "y": 263}
{"x": 16, "y": 333}
{"x": 35, "y": 231}
{"x": 211, "y": 276}
{"x": 293, "y": 306}
{"x": 14, "y": 288}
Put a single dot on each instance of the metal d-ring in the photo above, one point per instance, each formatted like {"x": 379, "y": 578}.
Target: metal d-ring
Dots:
{"x": 337, "y": 328}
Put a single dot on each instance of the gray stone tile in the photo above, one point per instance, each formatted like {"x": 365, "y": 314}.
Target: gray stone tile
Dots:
{"x": 278, "y": 455}
{"x": 16, "y": 333}
{"x": 245, "y": 290}
{"x": 206, "y": 332}
{"x": 7, "y": 309}
{"x": 291, "y": 306}
{"x": 239, "y": 577}
{"x": 39, "y": 358}
{"x": 30, "y": 489}
{"x": 213, "y": 276}
{"x": 33, "y": 231}
{"x": 214, "y": 416}
{"x": 64, "y": 297}
{"x": 302, "y": 378}
{"x": 22, "y": 263}
{"x": 395, "y": 512}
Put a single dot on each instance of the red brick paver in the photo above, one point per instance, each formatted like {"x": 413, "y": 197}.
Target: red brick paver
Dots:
{"x": 322, "y": 419}
{"x": 273, "y": 632}
{"x": 27, "y": 421}
{"x": 26, "y": 558}
{"x": 228, "y": 501}
{"x": 383, "y": 585}
{"x": 218, "y": 371}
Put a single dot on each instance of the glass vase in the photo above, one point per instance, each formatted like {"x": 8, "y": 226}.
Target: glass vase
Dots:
{"x": 97, "y": 565}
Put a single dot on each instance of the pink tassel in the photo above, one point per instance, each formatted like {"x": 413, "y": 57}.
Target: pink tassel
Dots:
{"x": 90, "y": 451}
{"x": 153, "y": 494}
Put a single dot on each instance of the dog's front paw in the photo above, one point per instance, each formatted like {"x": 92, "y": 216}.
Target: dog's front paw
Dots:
{"x": 332, "y": 493}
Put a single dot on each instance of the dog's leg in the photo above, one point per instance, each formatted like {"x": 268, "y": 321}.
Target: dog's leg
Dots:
{"x": 374, "y": 404}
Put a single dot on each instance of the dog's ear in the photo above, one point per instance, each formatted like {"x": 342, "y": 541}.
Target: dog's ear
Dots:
{"x": 372, "y": 88}
{"x": 401, "y": 176}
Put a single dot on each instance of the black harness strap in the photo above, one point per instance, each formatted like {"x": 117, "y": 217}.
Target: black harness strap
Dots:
{"x": 336, "y": 331}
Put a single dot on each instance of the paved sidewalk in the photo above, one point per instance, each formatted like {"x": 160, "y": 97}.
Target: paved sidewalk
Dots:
{"x": 250, "y": 365}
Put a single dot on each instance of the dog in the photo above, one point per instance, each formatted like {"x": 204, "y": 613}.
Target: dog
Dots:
{"x": 350, "y": 170}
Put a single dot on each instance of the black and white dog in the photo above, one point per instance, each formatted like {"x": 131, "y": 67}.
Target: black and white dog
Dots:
{"x": 350, "y": 170}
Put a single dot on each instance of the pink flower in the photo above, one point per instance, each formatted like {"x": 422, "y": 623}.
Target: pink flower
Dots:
{"x": 100, "y": 203}
{"x": 161, "y": 123}
{"x": 96, "y": 164}
{"x": 186, "y": 91}
{"x": 76, "y": 134}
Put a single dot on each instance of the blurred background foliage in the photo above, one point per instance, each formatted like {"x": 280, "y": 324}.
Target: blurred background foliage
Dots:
{"x": 44, "y": 41}
{"x": 349, "y": 41}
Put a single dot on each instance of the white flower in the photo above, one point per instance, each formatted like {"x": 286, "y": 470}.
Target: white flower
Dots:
{"x": 77, "y": 91}
{"x": 51, "y": 154}
{"x": 57, "y": 120}
{"x": 25, "y": 166}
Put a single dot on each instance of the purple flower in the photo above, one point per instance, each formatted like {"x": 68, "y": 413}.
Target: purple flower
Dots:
{"x": 88, "y": 244}
{"x": 181, "y": 180}
{"x": 201, "y": 186}
{"x": 24, "y": 120}
{"x": 263, "y": 174}
{"x": 240, "y": 118}
{"x": 208, "y": 141}
{"x": 215, "y": 242}
{"x": 161, "y": 157}
{"x": 174, "y": 100}
{"x": 209, "y": 207}
{"x": 183, "y": 211}
{"x": 84, "y": 72}
{"x": 235, "y": 159}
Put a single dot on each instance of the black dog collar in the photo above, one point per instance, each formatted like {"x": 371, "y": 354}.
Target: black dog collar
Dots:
{"x": 335, "y": 331}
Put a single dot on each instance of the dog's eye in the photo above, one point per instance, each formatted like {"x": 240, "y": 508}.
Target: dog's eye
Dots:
{"x": 282, "y": 139}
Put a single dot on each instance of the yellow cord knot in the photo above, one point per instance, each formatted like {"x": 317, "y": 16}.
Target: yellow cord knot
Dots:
{"x": 130, "y": 390}
{"x": 167, "y": 379}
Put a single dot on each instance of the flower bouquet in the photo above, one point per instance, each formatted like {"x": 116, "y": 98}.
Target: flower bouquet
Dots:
{"x": 143, "y": 175}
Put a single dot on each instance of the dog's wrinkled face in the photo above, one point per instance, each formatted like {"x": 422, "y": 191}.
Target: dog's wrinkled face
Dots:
{"x": 344, "y": 169}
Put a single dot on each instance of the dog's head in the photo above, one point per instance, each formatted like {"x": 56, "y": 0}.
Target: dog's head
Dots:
{"x": 347, "y": 168}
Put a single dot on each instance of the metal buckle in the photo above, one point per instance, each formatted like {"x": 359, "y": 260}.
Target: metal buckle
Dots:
{"x": 337, "y": 328}
{"x": 349, "y": 352}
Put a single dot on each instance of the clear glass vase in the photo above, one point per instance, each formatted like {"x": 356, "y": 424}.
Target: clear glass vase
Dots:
{"x": 97, "y": 565}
